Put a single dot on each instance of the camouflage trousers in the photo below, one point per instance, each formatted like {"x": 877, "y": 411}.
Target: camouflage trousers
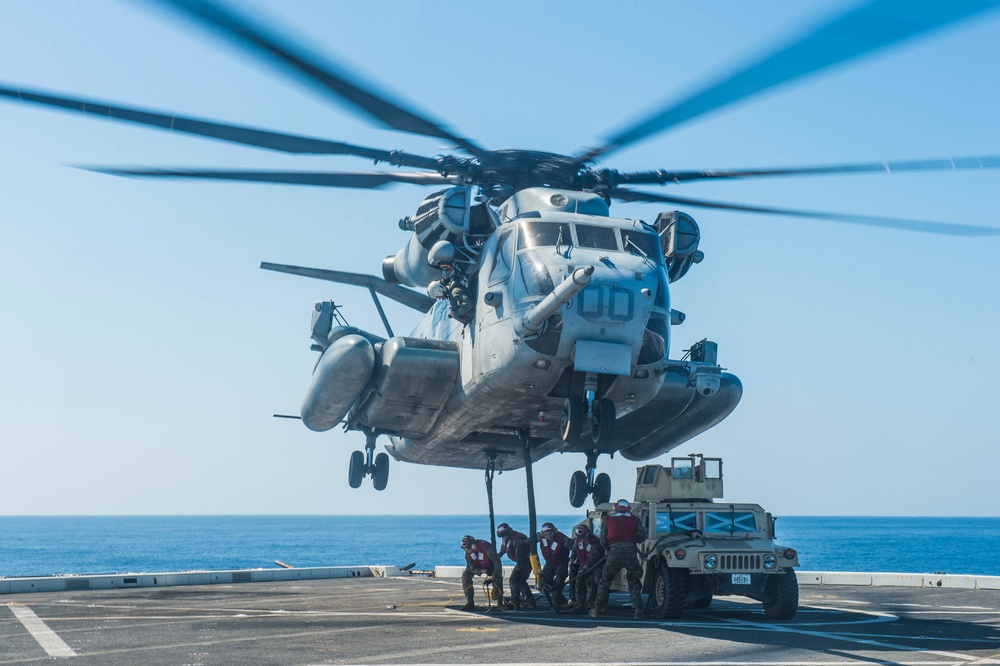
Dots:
{"x": 621, "y": 555}
{"x": 554, "y": 577}
{"x": 519, "y": 582}
{"x": 496, "y": 573}
{"x": 585, "y": 584}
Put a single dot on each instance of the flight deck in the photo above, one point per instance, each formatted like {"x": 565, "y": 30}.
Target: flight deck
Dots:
{"x": 415, "y": 619}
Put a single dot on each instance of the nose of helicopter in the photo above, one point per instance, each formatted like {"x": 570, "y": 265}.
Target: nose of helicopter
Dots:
{"x": 604, "y": 315}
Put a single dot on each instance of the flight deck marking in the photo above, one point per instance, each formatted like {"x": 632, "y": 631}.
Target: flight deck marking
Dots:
{"x": 48, "y": 639}
{"x": 867, "y": 642}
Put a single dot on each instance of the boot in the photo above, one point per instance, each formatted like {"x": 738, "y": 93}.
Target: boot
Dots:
{"x": 595, "y": 612}
{"x": 469, "y": 606}
{"x": 579, "y": 609}
{"x": 530, "y": 604}
{"x": 637, "y": 605}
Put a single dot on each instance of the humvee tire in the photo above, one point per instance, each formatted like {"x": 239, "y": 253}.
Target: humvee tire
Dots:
{"x": 784, "y": 596}
{"x": 666, "y": 596}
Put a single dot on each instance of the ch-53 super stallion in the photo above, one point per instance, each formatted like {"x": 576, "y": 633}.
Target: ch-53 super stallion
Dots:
{"x": 547, "y": 321}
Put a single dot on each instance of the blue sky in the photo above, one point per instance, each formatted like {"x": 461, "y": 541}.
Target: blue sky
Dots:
{"x": 142, "y": 350}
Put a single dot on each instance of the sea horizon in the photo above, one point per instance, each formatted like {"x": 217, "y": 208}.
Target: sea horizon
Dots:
{"x": 59, "y": 545}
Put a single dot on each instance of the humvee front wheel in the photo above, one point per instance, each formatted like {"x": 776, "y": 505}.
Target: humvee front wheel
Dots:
{"x": 666, "y": 597}
{"x": 783, "y": 596}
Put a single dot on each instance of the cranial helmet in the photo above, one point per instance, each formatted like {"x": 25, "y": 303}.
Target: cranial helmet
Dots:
{"x": 581, "y": 531}
{"x": 622, "y": 506}
{"x": 468, "y": 542}
{"x": 547, "y": 529}
{"x": 503, "y": 529}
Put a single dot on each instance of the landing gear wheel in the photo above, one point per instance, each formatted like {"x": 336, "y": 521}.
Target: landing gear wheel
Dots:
{"x": 666, "y": 597}
{"x": 602, "y": 489}
{"x": 571, "y": 424}
{"x": 356, "y": 472}
{"x": 783, "y": 591}
{"x": 578, "y": 489}
{"x": 603, "y": 427}
{"x": 380, "y": 475}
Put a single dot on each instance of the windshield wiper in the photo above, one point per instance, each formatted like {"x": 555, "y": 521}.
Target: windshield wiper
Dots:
{"x": 629, "y": 241}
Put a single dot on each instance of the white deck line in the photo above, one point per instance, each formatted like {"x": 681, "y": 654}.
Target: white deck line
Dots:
{"x": 48, "y": 639}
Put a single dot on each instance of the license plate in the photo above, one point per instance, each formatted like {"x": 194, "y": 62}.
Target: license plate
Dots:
{"x": 741, "y": 579}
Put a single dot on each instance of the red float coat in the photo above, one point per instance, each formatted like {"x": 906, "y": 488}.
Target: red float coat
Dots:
{"x": 477, "y": 557}
{"x": 584, "y": 548}
{"x": 511, "y": 543}
{"x": 555, "y": 549}
{"x": 622, "y": 528}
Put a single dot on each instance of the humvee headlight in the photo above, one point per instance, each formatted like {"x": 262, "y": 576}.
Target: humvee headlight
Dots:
{"x": 770, "y": 561}
{"x": 680, "y": 553}
{"x": 711, "y": 561}
{"x": 790, "y": 554}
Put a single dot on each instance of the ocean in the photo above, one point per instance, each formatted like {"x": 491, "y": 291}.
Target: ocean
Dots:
{"x": 48, "y": 545}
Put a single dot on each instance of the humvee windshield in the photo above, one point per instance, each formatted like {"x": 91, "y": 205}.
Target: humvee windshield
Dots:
{"x": 717, "y": 521}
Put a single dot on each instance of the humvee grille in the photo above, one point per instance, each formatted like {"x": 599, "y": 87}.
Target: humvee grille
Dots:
{"x": 740, "y": 562}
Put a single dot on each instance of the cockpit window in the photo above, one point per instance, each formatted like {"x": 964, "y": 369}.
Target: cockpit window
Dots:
{"x": 504, "y": 260}
{"x": 599, "y": 238}
{"x": 535, "y": 277}
{"x": 542, "y": 234}
{"x": 641, "y": 243}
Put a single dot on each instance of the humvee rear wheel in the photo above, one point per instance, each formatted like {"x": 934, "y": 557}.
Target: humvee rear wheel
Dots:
{"x": 356, "y": 471}
{"x": 602, "y": 489}
{"x": 578, "y": 489}
{"x": 783, "y": 593}
{"x": 380, "y": 476}
{"x": 666, "y": 598}
{"x": 571, "y": 424}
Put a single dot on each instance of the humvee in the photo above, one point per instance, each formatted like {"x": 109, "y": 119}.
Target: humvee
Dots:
{"x": 698, "y": 548}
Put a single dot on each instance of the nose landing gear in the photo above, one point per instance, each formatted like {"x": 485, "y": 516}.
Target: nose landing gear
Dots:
{"x": 586, "y": 483}
{"x": 587, "y": 414}
{"x": 368, "y": 464}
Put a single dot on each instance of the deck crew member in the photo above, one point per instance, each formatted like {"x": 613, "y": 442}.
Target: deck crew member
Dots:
{"x": 585, "y": 565}
{"x": 556, "y": 548}
{"x": 480, "y": 559}
{"x": 620, "y": 532}
{"x": 517, "y": 548}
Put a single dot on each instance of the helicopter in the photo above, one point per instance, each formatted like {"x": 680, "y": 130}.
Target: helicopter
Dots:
{"x": 547, "y": 320}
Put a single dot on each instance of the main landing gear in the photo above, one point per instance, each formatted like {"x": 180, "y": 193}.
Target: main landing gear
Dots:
{"x": 586, "y": 483}
{"x": 362, "y": 465}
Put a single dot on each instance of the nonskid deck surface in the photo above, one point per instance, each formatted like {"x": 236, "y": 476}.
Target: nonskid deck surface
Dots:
{"x": 416, "y": 620}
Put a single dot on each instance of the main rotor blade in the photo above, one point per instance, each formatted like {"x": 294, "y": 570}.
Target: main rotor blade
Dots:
{"x": 321, "y": 73}
{"x": 875, "y": 25}
{"x": 869, "y": 220}
{"x": 289, "y": 143}
{"x": 936, "y": 164}
{"x": 361, "y": 179}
